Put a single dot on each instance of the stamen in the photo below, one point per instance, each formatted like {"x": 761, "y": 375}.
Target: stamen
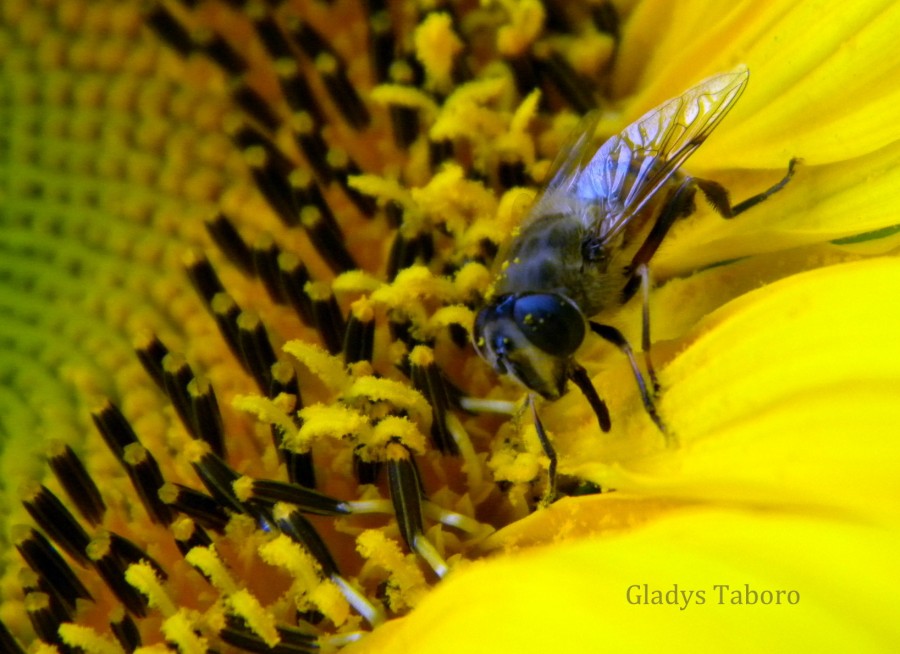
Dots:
{"x": 359, "y": 337}
{"x": 218, "y": 478}
{"x": 267, "y": 29}
{"x": 220, "y": 51}
{"x": 147, "y": 479}
{"x": 406, "y": 496}
{"x": 77, "y": 482}
{"x": 308, "y": 193}
{"x": 177, "y": 374}
{"x": 45, "y": 616}
{"x": 327, "y": 316}
{"x": 226, "y": 237}
{"x": 329, "y": 242}
{"x": 265, "y": 255}
{"x": 256, "y": 349}
{"x": 428, "y": 379}
{"x": 203, "y": 277}
{"x": 168, "y": 28}
{"x": 125, "y": 630}
{"x": 300, "y": 530}
{"x": 308, "y": 135}
{"x": 297, "y": 91}
{"x": 225, "y": 311}
{"x": 151, "y": 351}
{"x": 343, "y": 92}
{"x": 556, "y": 71}
{"x": 381, "y": 43}
{"x": 272, "y": 183}
{"x": 53, "y": 517}
{"x": 52, "y": 569}
{"x": 343, "y": 168}
{"x": 207, "y": 420}
{"x": 111, "y": 561}
{"x": 307, "y": 500}
{"x": 294, "y": 278}
{"x": 254, "y": 105}
{"x": 198, "y": 506}
{"x": 7, "y": 642}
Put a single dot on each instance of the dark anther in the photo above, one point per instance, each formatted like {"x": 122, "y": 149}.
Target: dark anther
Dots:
{"x": 272, "y": 183}
{"x": 381, "y": 40}
{"x": 8, "y": 643}
{"x": 151, "y": 351}
{"x": 307, "y": 500}
{"x": 225, "y": 311}
{"x": 269, "y": 32}
{"x": 220, "y": 51}
{"x": 327, "y": 316}
{"x": 265, "y": 255}
{"x": 297, "y": 91}
{"x": 343, "y": 92}
{"x": 343, "y": 168}
{"x": 169, "y": 29}
{"x": 308, "y": 135}
{"x": 43, "y": 558}
{"x": 254, "y": 105}
{"x": 428, "y": 380}
{"x": 200, "y": 507}
{"x": 511, "y": 174}
{"x": 257, "y": 351}
{"x": 294, "y": 278}
{"x": 307, "y": 193}
{"x": 126, "y": 631}
{"x": 177, "y": 374}
{"x": 207, "y": 420}
{"x": 77, "y": 482}
{"x": 197, "y": 538}
{"x": 229, "y": 241}
{"x": 406, "y": 495}
{"x": 46, "y": 616}
{"x": 203, "y": 277}
{"x": 300, "y": 530}
{"x": 555, "y": 70}
{"x": 54, "y": 518}
{"x": 218, "y": 478}
{"x": 147, "y": 479}
{"x": 366, "y": 472}
{"x": 327, "y": 239}
{"x": 359, "y": 337}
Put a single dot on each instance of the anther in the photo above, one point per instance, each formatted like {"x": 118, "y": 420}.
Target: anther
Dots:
{"x": 333, "y": 72}
{"x": 267, "y": 29}
{"x": 43, "y": 558}
{"x": 8, "y": 643}
{"x": 202, "y": 508}
{"x": 294, "y": 278}
{"x": 307, "y": 500}
{"x": 225, "y": 311}
{"x": 257, "y": 352}
{"x": 555, "y": 70}
{"x": 46, "y": 616}
{"x": 53, "y": 517}
{"x": 327, "y": 316}
{"x": 203, "y": 276}
{"x": 226, "y": 237}
{"x": 404, "y": 120}
{"x": 147, "y": 479}
{"x": 220, "y": 51}
{"x": 308, "y": 135}
{"x": 428, "y": 379}
{"x": 272, "y": 183}
{"x": 308, "y": 193}
{"x": 359, "y": 337}
{"x": 77, "y": 482}
{"x": 125, "y": 630}
{"x": 265, "y": 255}
{"x": 343, "y": 168}
{"x": 207, "y": 419}
{"x": 151, "y": 351}
{"x": 254, "y": 105}
{"x": 296, "y": 90}
{"x": 329, "y": 243}
{"x": 168, "y": 28}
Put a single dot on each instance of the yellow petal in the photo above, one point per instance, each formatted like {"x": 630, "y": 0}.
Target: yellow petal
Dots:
{"x": 822, "y": 74}
{"x": 784, "y": 397}
{"x": 574, "y": 597}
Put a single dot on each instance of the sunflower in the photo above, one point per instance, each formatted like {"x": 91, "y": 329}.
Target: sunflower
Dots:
{"x": 243, "y": 247}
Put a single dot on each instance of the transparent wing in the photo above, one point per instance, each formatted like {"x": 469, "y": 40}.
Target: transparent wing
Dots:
{"x": 575, "y": 153}
{"x": 626, "y": 172}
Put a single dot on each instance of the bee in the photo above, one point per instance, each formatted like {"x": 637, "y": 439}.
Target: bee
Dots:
{"x": 585, "y": 244}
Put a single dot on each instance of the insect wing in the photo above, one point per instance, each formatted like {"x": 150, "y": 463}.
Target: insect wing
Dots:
{"x": 575, "y": 154}
{"x": 631, "y": 167}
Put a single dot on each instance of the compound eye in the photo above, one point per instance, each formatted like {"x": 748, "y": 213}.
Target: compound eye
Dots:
{"x": 551, "y": 322}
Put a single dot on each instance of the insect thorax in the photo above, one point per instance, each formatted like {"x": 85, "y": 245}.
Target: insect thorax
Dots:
{"x": 548, "y": 256}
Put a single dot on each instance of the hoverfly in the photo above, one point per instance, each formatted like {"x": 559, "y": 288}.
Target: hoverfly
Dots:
{"x": 585, "y": 245}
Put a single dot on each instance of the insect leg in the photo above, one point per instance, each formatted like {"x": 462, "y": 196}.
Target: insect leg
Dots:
{"x": 718, "y": 196}
{"x": 680, "y": 204}
{"x": 579, "y": 375}
{"x": 643, "y": 272}
{"x": 614, "y": 336}
{"x": 550, "y": 493}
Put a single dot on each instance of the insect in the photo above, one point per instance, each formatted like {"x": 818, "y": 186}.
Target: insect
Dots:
{"x": 586, "y": 243}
